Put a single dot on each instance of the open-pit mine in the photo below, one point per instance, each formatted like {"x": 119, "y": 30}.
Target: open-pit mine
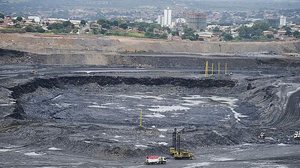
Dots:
{"x": 112, "y": 108}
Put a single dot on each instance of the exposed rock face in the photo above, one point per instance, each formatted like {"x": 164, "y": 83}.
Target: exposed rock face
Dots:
{"x": 291, "y": 110}
{"x": 95, "y": 46}
{"x": 278, "y": 101}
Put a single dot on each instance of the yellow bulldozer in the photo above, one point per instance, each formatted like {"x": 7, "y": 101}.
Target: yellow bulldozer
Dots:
{"x": 176, "y": 150}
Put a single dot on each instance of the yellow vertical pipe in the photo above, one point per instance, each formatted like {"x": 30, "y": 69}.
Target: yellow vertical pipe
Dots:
{"x": 141, "y": 119}
{"x": 212, "y": 68}
{"x": 206, "y": 69}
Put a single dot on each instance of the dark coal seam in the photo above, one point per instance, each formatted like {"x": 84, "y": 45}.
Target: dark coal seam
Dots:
{"x": 29, "y": 87}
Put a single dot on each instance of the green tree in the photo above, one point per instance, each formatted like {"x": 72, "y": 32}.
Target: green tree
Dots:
{"x": 56, "y": 26}
{"x": 68, "y": 24}
{"x": 270, "y": 36}
{"x": 189, "y": 34}
{"x": 19, "y": 19}
{"x": 83, "y": 22}
{"x": 167, "y": 29}
{"x": 102, "y": 21}
{"x": 123, "y": 26}
{"x": 18, "y": 25}
{"x": 31, "y": 28}
{"x": 245, "y": 32}
{"x": 96, "y": 31}
{"x": 106, "y": 24}
{"x": 115, "y": 23}
{"x": 288, "y": 31}
{"x": 150, "y": 35}
{"x": 152, "y": 27}
{"x": 75, "y": 31}
{"x": 1, "y": 16}
{"x": 261, "y": 26}
{"x": 255, "y": 32}
{"x": 175, "y": 33}
{"x": 227, "y": 37}
{"x": 296, "y": 34}
{"x": 65, "y": 27}
{"x": 142, "y": 27}
{"x": 216, "y": 30}
{"x": 164, "y": 36}
{"x": 39, "y": 29}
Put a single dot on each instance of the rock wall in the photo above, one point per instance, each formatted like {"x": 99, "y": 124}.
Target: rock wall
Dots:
{"x": 95, "y": 45}
{"x": 209, "y": 47}
{"x": 279, "y": 102}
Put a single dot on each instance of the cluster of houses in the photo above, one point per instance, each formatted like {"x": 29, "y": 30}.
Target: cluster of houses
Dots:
{"x": 34, "y": 20}
{"x": 209, "y": 34}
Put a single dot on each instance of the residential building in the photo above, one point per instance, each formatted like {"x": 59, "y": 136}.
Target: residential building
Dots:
{"x": 160, "y": 19}
{"x": 76, "y": 22}
{"x": 55, "y": 20}
{"x": 282, "y": 21}
{"x": 196, "y": 21}
{"x": 35, "y": 19}
{"x": 273, "y": 22}
{"x": 180, "y": 21}
{"x": 167, "y": 19}
{"x": 265, "y": 33}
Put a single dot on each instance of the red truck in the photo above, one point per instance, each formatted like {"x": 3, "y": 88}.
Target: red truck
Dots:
{"x": 155, "y": 160}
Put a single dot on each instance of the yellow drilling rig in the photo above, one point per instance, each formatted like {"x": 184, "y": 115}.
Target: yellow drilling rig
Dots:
{"x": 176, "y": 150}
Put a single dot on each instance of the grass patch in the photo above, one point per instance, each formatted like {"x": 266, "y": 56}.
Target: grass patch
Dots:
{"x": 12, "y": 30}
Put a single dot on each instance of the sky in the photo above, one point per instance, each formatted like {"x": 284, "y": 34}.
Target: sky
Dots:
{"x": 23, "y": 5}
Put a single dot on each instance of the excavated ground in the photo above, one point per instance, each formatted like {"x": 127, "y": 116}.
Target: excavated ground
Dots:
{"x": 88, "y": 116}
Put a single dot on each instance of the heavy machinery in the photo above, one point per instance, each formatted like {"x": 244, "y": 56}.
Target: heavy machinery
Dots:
{"x": 155, "y": 160}
{"x": 297, "y": 135}
{"x": 176, "y": 150}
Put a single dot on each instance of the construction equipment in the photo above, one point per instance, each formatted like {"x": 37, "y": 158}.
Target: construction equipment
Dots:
{"x": 297, "y": 135}
{"x": 176, "y": 150}
{"x": 155, "y": 160}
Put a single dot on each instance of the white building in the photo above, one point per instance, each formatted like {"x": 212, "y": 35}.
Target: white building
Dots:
{"x": 167, "y": 20}
{"x": 205, "y": 34}
{"x": 282, "y": 21}
{"x": 180, "y": 21}
{"x": 139, "y": 20}
{"x": 75, "y": 22}
{"x": 160, "y": 20}
{"x": 55, "y": 20}
{"x": 36, "y": 19}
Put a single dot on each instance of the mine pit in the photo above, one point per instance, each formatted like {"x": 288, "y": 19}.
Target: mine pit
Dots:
{"x": 122, "y": 103}
{"x": 107, "y": 116}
